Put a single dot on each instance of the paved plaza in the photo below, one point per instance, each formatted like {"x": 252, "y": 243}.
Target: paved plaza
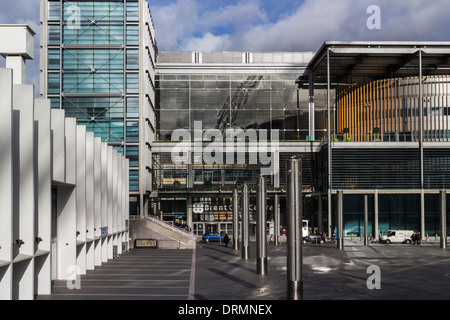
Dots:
{"x": 216, "y": 272}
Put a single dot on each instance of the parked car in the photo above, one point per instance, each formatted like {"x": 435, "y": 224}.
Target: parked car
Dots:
{"x": 315, "y": 238}
{"x": 212, "y": 236}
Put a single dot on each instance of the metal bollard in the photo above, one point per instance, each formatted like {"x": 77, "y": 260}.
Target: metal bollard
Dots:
{"x": 235, "y": 219}
{"x": 340, "y": 220}
{"x": 294, "y": 212}
{"x": 245, "y": 222}
{"x": 366, "y": 220}
{"x": 277, "y": 219}
{"x": 261, "y": 234}
{"x": 443, "y": 210}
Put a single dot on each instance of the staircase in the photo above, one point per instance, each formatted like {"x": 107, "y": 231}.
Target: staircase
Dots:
{"x": 167, "y": 236}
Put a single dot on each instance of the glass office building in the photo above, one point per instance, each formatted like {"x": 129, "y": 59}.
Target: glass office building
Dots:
{"x": 353, "y": 111}
{"x": 98, "y": 62}
{"x": 248, "y": 91}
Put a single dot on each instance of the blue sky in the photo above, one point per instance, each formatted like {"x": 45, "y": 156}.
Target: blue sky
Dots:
{"x": 295, "y": 25}
{"x": 273, "y": 25}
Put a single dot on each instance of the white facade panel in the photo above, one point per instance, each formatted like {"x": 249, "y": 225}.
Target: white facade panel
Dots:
{"x": 6, "y": 183}
{"x": 56, "y": 194}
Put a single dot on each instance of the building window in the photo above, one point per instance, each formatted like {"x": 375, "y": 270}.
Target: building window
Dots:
{"x": 134, "y": 180}
{"x": 133, "y": 35}
{"x": 133, "y": 155}
{"x": 53, "y": 83}
{"x": 53, "y": 59}
{"x": 132, "y": 11}
{"x": 132, "y": 107}
{"x": 54, "y": 11}
{"x": 133, "y": 59}
{"x": 132, "y": 82}
{"x": 54, "y": 34}
{"x": 132, "y": 131}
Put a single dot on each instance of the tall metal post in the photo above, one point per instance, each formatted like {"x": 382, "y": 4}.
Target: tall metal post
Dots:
{"x": 276, "y": 208}
{"x": 294, "y": 212}
{"x": 421, "y": 119}
{"x": 261, "y": 221}
{"x": 235, "y": 219}
{"x": 245, "y": 222}
{"x": 340, "y": 220}
{"x": 330, "y": 186}
{"x": 366, "y": 220}
{"x": 443, "y": 210}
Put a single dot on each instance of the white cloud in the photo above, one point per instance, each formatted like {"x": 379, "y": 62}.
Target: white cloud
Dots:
{"x": 238, "y": 16}
{"x": 175, "y": 22}
{"x": 306, "y": 28}
{"x": 207, "y": 43}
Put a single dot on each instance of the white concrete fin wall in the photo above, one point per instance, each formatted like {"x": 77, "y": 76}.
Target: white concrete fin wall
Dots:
{"x": 6, "y": 184}
{"x": 47, "y": 156}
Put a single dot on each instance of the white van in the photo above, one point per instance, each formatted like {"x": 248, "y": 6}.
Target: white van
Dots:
{"x": 396, "y": 236}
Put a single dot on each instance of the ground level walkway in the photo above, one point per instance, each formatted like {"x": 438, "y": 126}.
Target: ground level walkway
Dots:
{"x": 216, "y": 272}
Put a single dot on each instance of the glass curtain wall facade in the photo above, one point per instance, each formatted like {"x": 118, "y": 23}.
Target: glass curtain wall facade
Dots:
{"x": 228, "y": 90}
{"x": 225, "y": 101}
{"x": 99, "y": 66}
{"x": 395, "y": 212}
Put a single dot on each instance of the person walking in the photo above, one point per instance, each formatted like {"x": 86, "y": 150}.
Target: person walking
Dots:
{"x": 418, "y": 238}
{"x": 413, "y": 238}
{"x": 226, "y": 239}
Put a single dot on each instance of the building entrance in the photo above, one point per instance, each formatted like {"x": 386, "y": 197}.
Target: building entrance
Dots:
{"x": 200, "y": 228}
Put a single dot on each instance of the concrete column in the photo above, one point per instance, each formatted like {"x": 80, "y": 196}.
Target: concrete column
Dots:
{"x": 119, "y": 204}
{"x": 115, "y": 178}
{"x": 6, "y": 181}
{"x": 98, "y": 194}
{"x": 109, "y": 221}
{"x": 114, "y": 198}
{"x": 58, "y": 140}
{"x": 66, "y": 201}
{"x": 17, "y": 63}
{"x": 43, "y": 189}
{"x": 105, "y": 200}
{"x": 81, "y": 198}
{"x": 90, "y": 204}
{"x": 127, "y": 198}
{"x": 23, "y": 106}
